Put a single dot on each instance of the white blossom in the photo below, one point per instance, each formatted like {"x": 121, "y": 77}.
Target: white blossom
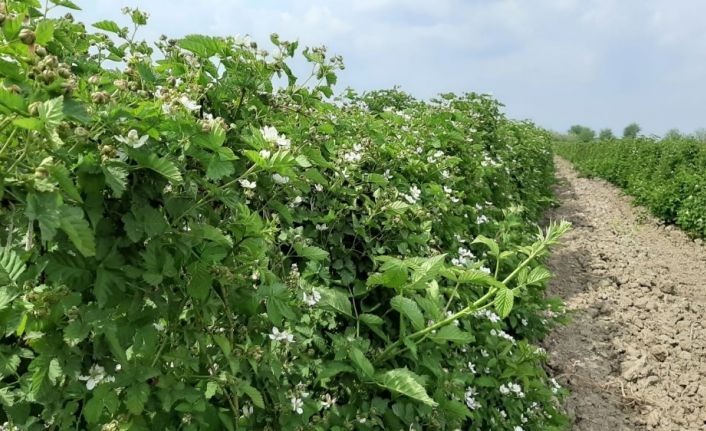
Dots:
{"x": 247, "y": 410}
{"x": 472, "y": 367}
{"x": 322, "y": 227}
{"x": 133, "y": 139}
{"x": 470, "y": 399}
{"x": 265, "y": 154}
{"x": 246, "y": 184}
{"x": 318, "y": 187}
{"x": 96, "y": 375}
{"x": 311, "y": 299}
{"x": 188, "y": 103}
{"x": 297, "y": 405}
{"x": 278, "y": 335}
{"x": 280, "y": 179}
{"x": 327, "y": 401}
{"x": 494, "y": 318}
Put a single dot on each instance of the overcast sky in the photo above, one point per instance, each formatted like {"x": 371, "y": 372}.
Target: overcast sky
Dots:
{"x": 601, "y": 63}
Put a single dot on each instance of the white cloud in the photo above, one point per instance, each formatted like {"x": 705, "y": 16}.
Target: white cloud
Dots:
{"x": 602, "y": 63}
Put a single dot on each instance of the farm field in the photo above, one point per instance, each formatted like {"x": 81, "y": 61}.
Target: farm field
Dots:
{"x": 194, "y": 235}
{"x": 633, "y": 354}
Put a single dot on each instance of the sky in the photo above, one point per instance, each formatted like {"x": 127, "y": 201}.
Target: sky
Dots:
{"x": 599, "y": 63}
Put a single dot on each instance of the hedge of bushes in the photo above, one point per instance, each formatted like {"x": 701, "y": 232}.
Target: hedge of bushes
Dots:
{"x": 187, "y": 246}
{"x": 667, "y": 176}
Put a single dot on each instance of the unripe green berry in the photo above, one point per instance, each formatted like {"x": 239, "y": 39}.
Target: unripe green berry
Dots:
{"x": 27, "y": 36}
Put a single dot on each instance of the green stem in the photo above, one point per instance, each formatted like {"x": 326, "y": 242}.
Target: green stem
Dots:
{"x": 392, "y": 349}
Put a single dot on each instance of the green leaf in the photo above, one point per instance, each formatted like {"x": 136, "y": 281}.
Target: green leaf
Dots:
{"x": 28, "y": 123}
{"x": 55, "y": 372}
{"x": 109, "y": 26}
{"x": 405, "y": 382}
{"x": 44, "y": 31}
{"x": 15, "y": 103}
{"x": 454, "y": 334}
{"x": 337, "y": 300}
{"x": 75, "y": 332}
{"x": 409, "y": 309}
{"x": 218, "y": 169}
{"x": 397, "y": 207}
{"x": 66, "y": 3}
{"x": 311, "y": 252}
{"x": 211, "y": 389}
{"x": 361, "y": 362}
{"x": 254, "y": 395}
{"x": 116, "y": 178}
{"x": 223, "y": 343}
{"x": 455, "y": 409}
{"x": 492, "y": 245}
{"x": 78, "y": 230}
{"x": 503, "y": 302}
{"x": 162, "y": 166}
{"x": 538, "y": 275}
{"x": 11, "y": 265}
{"x": 203, "y": 46}
{"x": 51, "y": 112}
{"x": 63, "y": 177}
{"x": 200, "y": 283}
{"x": 137, "y": 396}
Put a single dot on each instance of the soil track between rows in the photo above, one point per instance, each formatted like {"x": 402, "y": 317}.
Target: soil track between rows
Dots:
{"x": 634, "y": 352}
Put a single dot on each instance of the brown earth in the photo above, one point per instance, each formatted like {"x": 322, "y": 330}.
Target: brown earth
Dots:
{"x": 634, "y": 353}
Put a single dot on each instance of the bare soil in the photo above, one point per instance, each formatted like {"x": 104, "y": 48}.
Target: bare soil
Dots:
{"x": 634, "y": 353}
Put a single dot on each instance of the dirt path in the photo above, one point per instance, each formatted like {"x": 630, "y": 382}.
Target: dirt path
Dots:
{"x": 634, "y": 354}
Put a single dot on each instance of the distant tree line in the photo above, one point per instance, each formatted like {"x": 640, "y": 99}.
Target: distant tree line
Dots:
{"x": 581, "y": 133}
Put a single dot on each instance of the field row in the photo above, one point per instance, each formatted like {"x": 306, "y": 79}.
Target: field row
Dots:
{"x": 667, "y": 176}
{"x": 189, "y": 246}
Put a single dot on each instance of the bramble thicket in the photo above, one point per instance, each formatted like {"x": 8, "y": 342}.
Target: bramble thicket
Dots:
{"x": 188, "y": 246}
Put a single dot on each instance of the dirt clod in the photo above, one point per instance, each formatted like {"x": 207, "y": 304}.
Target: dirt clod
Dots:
{"x": 634, "y": 354}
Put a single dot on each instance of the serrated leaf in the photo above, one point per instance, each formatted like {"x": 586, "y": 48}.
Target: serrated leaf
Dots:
{"x": 504, "y": 299}
{"x": 162, "y": 166}
{"x": 63, "y": 177}
{"x": 490, "y": 243}
{"x": 66, "y": 3}
{"x": 55, "y": 372}
{"x": 108, "y": 25}
{"x": 310, "y": 252}
{"x": 11, "y": 265}
{"x": 203, "y": 46}
{"x": 361, "y": 362}
{"x": 454, "y": 334}
{"x": 397, "y": 207}
{"x": 254, "y": 395}
{"x": 455, "y": 409}
{"x": 409, "y": 309}
{"x": 405, "y": 382}
{"x": 336, "y": 300}
{"x": 75, "y": 332}
{"x": 44, "y": 31}
{"x": 211, "y": 389}
{"x": 538, "y": 275}
{"x": 78, "y": 230}
{"x": 116, "y": 178}
{"x": 51, "y": 112}
{"x": 136, "y": 398}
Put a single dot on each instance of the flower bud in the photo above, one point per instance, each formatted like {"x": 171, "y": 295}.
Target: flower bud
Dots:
{"x": 27, "y": 36}
{"x": 40, "y": 51}
{"x": 48, "y": 76}
{"x": 94, "y": 80}
{"x": 33, "y": 108}
{"x": 100, "y": 97}
{"x": 64, "y": 72}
